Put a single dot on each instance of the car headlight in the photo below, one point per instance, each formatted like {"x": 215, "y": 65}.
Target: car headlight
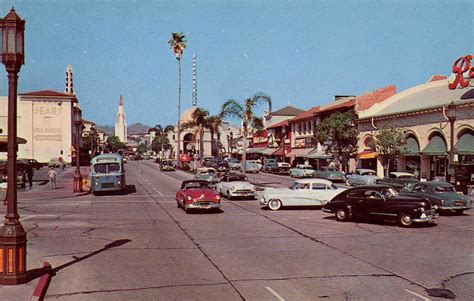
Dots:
{"x": 218, "y": 197}
{"x": 421, "y": 209}
{"x": 253, "y": 188}
{"x": 189, "y": 198}
{"x": 443, "y": 202}
{"x": 232, "y": 188}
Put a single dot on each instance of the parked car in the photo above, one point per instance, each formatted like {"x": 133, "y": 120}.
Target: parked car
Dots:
{"x": 284, "y": 168}
{"x": 256, "y": 162}
{"x": 302, "y": 171}
{"x": 398, "y": 179}
{"x": 270, "y": 165}
{"x": 442, "y": 194}
{"x": 222, "y": 166}
{"x": 167, "y": 165}
{"x": 234, "y": 163}
{"x": 20, "y": 173}
{"x": 304, "y": 192}
{"x": 207, "y": 174}
{"x": 55, "y": 162}
{"x": 34, "y": 163}
{"x": 236, "y": 185}
{"x": 362, "y": 177}
{"x": 197, "y": 194}
{"x": 251, "y": 167}
{"x": 330, "y": 174}
{"x": 381, "y": 203}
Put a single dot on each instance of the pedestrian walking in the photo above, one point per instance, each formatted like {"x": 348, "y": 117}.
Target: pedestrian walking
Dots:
{"x": 61, "y": 161}
{"x": 52, "y": 177}
{"x": 29, "y": 173}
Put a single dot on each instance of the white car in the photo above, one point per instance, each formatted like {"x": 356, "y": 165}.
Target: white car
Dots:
{"x": 304, "y": 192}
{"x": 256, "y": 162}
{"x": 235, "y": 185}
{"x": 362, "y": 177}
{"x": 302, "y": 171}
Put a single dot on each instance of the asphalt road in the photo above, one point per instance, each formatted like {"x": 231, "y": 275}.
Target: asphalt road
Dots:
{"x": 140, "y": 246}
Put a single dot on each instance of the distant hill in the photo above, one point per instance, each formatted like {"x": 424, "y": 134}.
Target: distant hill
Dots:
{"x": 138, "y": 128}
{"x": 108, "y": 129}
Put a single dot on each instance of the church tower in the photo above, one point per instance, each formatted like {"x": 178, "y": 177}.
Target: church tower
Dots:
{"x": 120, "y": 124}
{"x": 69, "y": 87}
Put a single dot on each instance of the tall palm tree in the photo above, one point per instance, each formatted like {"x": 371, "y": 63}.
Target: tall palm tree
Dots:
{"x": 199, "y": 124}
{"x": 177, "y": 44}
{"x": 246, "y": 113}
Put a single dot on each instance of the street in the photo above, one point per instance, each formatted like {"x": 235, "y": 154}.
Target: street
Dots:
{"x": 140, "y": 246}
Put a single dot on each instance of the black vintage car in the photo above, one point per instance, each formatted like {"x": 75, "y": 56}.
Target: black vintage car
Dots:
{"x": 398, "y": 180}
{"x": 382, "y": 203}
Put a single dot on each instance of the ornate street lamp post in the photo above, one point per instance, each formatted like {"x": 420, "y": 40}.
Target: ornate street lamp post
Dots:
{"x": 12, "y": 234}
{"x": 231, "y": 138}
{"x": 77, "y": 173}
{"x": 451, "y": 114}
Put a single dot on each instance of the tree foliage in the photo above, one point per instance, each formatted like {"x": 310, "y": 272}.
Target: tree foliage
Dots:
{"x": 339, "y": 134}
{"x": 177, "y": 44}
{"x": 388, "y": 143}
{"x": 161, "y": 141}
{"x": 114, "y": 144}
{"x": 199, "y": 123}
{"x": 246, "y": 113}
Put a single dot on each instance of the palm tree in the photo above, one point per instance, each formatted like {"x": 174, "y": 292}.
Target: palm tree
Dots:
{"x": 161, "y": 141}
{"x": 177, "y": 44}
{"x": 246, "y": 113}
{"x": 199, "y": 122}
{"x": 215, "y": 123}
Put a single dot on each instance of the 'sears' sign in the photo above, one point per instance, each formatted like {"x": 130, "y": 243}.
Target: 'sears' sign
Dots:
{"x": 461, "y": 66}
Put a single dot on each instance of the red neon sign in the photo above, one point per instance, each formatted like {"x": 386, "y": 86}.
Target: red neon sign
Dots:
{"x": 460, "y": 66}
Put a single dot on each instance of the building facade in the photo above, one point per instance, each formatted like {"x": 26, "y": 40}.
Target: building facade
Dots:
{"x": 120, "y": 123}
{"x": 421, "y": 112}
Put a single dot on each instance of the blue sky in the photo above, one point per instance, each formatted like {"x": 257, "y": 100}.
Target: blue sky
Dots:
{"x": 302, "y": 52}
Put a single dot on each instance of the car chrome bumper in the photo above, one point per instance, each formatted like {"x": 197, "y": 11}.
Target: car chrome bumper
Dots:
{"x": 453, "y": 208}
{"x": 263, "y": 202}
{"x": 326, "y": 210}
{"x": 202, "y": 206}
{"x": 247, "y": 194}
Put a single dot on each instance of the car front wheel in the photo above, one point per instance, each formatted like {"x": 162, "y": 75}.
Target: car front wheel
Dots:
{"x": 405, "y": 220}
{"x": 341, "y": 215}
{"x": 274, "y": 205}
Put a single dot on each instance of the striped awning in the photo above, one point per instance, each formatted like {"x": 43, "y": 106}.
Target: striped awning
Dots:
{"x": 367, "y": 154}
{"x": 315, "y": 154}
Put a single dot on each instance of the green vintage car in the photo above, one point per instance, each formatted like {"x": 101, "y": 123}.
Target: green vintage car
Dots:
{"x": 302, "y": 171}
{"x": 331, "y": 175}
{"x": 442, "y": 194}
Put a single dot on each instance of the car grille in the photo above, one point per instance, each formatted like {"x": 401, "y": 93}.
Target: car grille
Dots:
{"x": 243, "y": 190}
{"x": 107, "y": 185}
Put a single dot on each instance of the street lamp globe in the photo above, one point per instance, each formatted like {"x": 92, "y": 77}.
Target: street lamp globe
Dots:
{"x": 451, "y": 111}
{"x": 13, "y": 41}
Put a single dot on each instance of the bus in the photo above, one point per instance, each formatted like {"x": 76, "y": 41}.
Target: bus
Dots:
{"x": 107, "y": 173}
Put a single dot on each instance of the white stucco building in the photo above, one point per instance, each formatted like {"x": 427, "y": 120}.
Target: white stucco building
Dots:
{"x": 120, "y": 124}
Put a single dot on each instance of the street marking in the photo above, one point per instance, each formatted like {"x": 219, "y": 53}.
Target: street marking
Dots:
{"x": 25, "y": 217}
{"x": 418, "y": 295}
{"x": 274, "y": 293}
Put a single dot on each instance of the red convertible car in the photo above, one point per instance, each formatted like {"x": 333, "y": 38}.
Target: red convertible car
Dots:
{"x": 197, "y": 194}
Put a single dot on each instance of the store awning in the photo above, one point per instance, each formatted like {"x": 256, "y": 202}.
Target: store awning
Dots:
{"x": 367, "y": 154}
{"x": 315, "y": 154}
{"x": 436, "y": 147}
{"x": 4, "y": 142}
{"x": 255, "y": 150}
{"x": 465, "y": 144}
{"x": 300, "y": 152}
{"x": 411, "y": 148}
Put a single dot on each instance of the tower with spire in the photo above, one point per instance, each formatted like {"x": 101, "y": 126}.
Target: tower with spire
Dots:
{"x": 69, "y": 87}
{"x": 120, "y": 124}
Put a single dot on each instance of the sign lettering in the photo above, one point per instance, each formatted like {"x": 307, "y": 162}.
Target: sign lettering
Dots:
{"x": 461, "y": 66}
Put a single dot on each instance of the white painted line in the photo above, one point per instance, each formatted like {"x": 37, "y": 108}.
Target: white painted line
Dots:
{"x": 25, "y": 217}
{"x": 274, "y": 293}
{"x": 418, "y": 295}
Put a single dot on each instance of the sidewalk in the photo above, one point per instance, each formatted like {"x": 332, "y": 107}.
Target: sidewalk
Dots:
{"x": 39, "y": 192}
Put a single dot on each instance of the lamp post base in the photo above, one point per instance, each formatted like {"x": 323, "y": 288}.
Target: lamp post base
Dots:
{"x": 12, "y": 255}
{"x": 77, "y": 182}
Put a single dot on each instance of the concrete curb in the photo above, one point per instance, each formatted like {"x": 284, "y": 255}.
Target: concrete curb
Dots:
{"x": 43, "y": 283}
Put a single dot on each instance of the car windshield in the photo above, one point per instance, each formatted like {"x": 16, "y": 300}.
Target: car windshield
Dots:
{"x": 196, "y": 185}
{"x": 106, "y": 167}
{"x": 299, "y": 185}
{"x": 389, "y": 192}
{"x": 368, "y": 173}
{"x": 444, "y": 189}
{"x": 236, "y": 178}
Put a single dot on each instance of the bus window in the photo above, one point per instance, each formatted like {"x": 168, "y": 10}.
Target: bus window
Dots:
{"x": 106, "y": 167}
